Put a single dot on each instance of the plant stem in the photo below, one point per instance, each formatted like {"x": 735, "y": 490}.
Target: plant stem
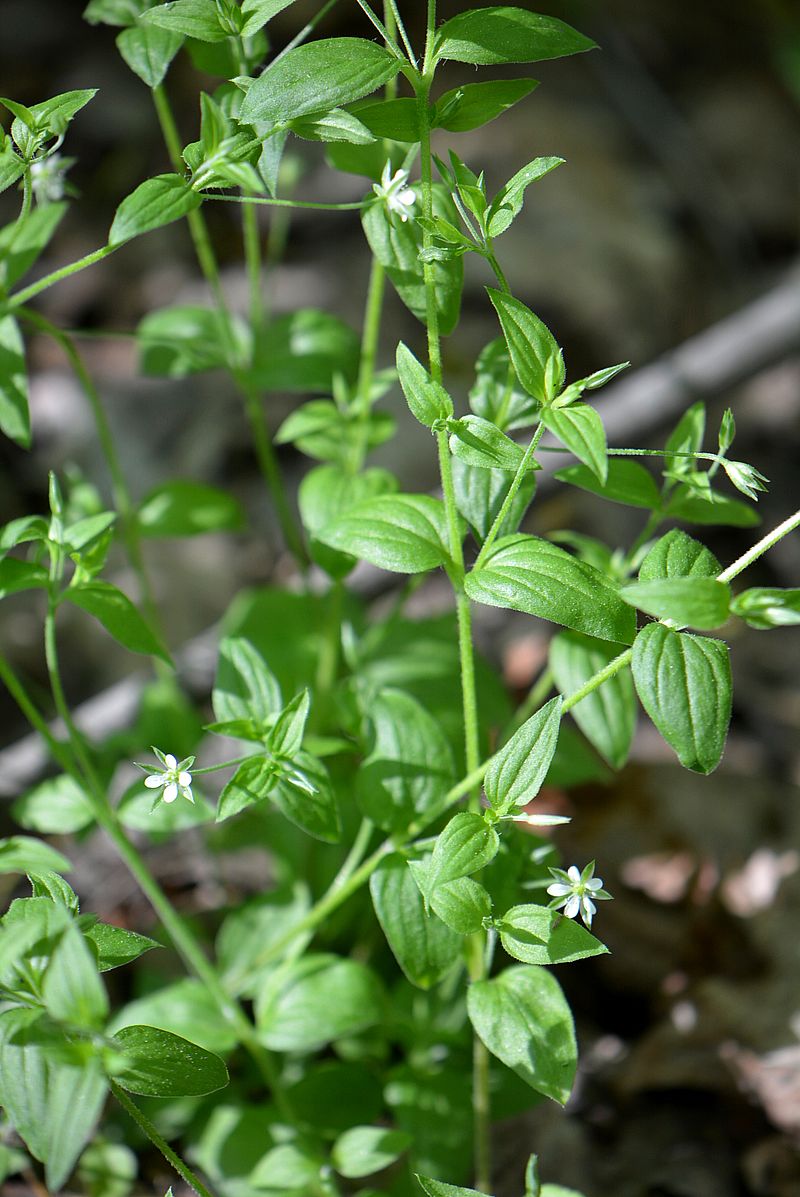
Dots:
{"x": 147, "y": 1128}
{"x": 252, "y": 254}
{"x": 267, "y": 201}
{"x": 391, "y": 44}
{"x": 20, "y": 297}
{"x": 307, "y": 29}
{"x": 760, "y": 548}
{"x": 265, "y": 453}
{"x": 505, "y": 507}
{"x": 180, "y": 934}
{"x": 119, "y": 486}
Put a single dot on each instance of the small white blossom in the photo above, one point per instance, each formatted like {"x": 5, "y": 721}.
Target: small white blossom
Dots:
{"x": 395, "y": 192}
{"x": 48, "y": 177}
{"x": 174, "y": 777}
{"x": 577, "y": 892}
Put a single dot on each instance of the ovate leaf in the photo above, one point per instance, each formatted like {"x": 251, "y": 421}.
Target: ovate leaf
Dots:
{"x": 698, "y": 602}
{"x": 402, "y": 533}
{"x": 476, "y": 104}
{"x": 184, "y": 508}
{"x": 154, "y": 203}
{"x": 409, "y": 768}
{"x": 538, "y": 935}
{"x": 678, "y": 555}
{"x": 315, "y": 1000}
{"x": 465, "y": 845}
{"x": 427, "y": 400}
{"x": 581, "y": 430}
{"x": 516, "y": 773}
{"x": 15, "y": 420}
{"x": 684, "y": 684}
{"x": 523, "y": 1018}
{"x": 160, "y": 1064}
{"x": 117, "y": 614}
{"x": 148, "y": 51}
{"x": 423, "y": 946}
{"x": 534, "y": 351}
{"x": 316, "y": 77}
{"x": 607, "y": 716}
{"x": 525, "y": 573}
{"x": 363, "y": 1150}
{"x": 485, "y": 36}
{"x": 626, "y": 482}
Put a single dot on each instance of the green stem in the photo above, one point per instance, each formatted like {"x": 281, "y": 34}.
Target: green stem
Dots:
{"x": 393, "y": 20}
{"x": 20, "y": 297}
{"x": 265, "y": 454}
{"x": 178, "y": 931}
{"x": 368, "y": 358}
{"x": 252, "y": 254}
{"x": 601, "y": 676}
{"x": 119, "y": 487}
{"x": 27, "y": 195}
{"x": 391, "y": 44}
{"x": 328, "y": 663}
{"x": 147, "y": 1128}
{"x": 268, "y": 202}
{"x": 759, "y": 549}
{"x": 307, "y": 29}
{"x": 505, "y": 507}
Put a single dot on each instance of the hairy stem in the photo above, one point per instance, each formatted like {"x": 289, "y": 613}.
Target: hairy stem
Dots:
{"x": 760, "y": 548}
{"x": 505, "y": 507}
{"x": 147, "y": 1128}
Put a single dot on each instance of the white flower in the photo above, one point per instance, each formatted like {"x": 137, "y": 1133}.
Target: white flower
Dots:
{"x": 175, "y": 777}
{"x": 393, "y": 189}
{"x": 577, "y": 892}
{"x": 48, "y": 177}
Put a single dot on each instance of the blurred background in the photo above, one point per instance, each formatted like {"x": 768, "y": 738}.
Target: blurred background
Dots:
{"x": 670, "y": 238}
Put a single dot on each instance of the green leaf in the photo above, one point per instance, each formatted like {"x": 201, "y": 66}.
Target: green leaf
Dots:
{"x": 480, "y": 493}
{"x": 23, "y": 241}
{"x": 315, "y": 1000}
{"x": 114, "y": 946}
{"x": 423, "y": 946}
{"x": 15, "y": 420}
{"x": 694, "y": 509}
{"x": 694, "y": 602}
{"x": 16, "y": 575}
{"x": 475, "y": 104}
{"x": 607, "y": 716}
{"x": 57, "y": 806}
{"x": 156, "y": 202}
{"x": 55, "y": 114}
{"x": 409, "y": 769}
{"x": 148, "y": 51}
{"x": 402, "y": 533}
{"x": 626, "y": 482}
{"x": 328, "y": 492}
{"x": 182, "y": 508}
{"x": 303, "y": 352}
{"x": 12, "y": 166}
{"x": 54, "y": 888}
{"x": 336, "y": 125}
{"x": 113, "y": 12}
{"x": 516, "y": 773}
{"x": 289, "y": 1167}
{"x": 253, "y": 781}
{"x": 363, "y": 1150}
{"x": 245, "y": 687}
{"x": 440, "y": 1188}
{"x": 538, "y": 935}
{"x": 251, "y": 928}
{"x": 397, "y": 245}
{"x": 182, "y": 1007}
{"x": 286, "y": 737}
{"x": 157, "y": 1063}
{"x": 496, "y": 394}
{"x": 72, "y": 990}
{"x": 479, "y": 443}
{"x": 427, "y": 400}
{"x": 768, "y": 607}
{"x": 507, "y": 204}
{"x": 686, "y": 437}
{"x": 316, "y": 77}
{"x": 524, "y": 573}
{"x": 465, "y": 845}
{"x": 397, "y": 120}
{"x": 523, "y": 1018}
{"x": 23, "y": 854}
{"x": 462, "y": 904}
{"x": 317, "y": 812}
{"x": 190, "y": 18}
{"x": 258, "y": 12}
{"x": 332, "y": 1096}
{"x": 52, "y": 1098}
{"x": 581, "y": 430}
{"x": 177, "y": 341}
{"x": 485, "y": 36}
{"x": 678, "y": 555}
{"x": 684, "y": 684}
{"x": 119, "y": 617}
{"x": 537, "y": 359}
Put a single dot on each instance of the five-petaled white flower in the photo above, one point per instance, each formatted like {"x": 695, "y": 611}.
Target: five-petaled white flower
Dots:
{"x": 174, "y": 777}
{"x": 577, "y": 892}
{"x": 395, "y": 192}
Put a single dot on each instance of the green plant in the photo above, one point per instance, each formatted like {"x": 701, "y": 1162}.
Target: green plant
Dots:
{"x": 389, "y": 970}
